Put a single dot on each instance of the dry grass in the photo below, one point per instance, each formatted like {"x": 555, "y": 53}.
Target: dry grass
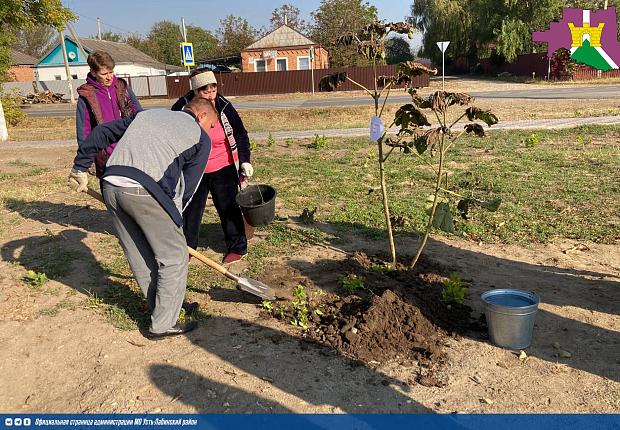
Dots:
{"x": 256, "y": 120}
{"x": 43, "y": 128}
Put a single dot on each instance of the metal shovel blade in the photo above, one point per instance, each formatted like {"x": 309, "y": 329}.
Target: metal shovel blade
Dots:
{"x": 256, "y": 288}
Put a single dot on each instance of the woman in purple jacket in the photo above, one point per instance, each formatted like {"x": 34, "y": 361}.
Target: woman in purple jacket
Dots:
{"x": 103, "y": 98}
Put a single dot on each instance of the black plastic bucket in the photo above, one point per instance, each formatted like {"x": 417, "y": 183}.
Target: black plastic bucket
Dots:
{"x": 258, "y": 204}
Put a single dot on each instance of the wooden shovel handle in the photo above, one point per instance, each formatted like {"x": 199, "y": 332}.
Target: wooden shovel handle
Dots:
{"x": 212, "y": 264}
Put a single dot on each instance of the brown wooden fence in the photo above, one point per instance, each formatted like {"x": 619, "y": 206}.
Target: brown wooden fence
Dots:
{"x": 295, "y": 81}
{"x": 525, "y": 64}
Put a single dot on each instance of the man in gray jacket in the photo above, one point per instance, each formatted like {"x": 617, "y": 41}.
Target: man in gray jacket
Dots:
{"x": 149, "y": 179}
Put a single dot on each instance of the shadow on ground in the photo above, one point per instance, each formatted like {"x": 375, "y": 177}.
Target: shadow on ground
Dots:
{"x": 281, "y": 365}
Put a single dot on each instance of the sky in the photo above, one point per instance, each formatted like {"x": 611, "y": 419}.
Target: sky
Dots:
{"x": 137, "y": 16}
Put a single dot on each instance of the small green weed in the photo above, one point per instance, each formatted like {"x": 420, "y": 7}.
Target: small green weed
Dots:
{"x": 253, "y": 145}
{"x": 300, "y": 307}
{"x": 532, "y": 141}
{"x": 35, "y": 279}
{"x": 267, "y": 305}
{"x": 453, "y": 291}
{"x": 583, "y": 140}
{"x": 319, "y": 142}
{"x": 381, "y": 268}
{"x": 270, "y": 140}
{"x": 351, "y": 283}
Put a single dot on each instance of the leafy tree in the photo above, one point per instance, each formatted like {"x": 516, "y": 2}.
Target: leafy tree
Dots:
{"x": 442, "y": 20}
{"x": 135, "y": 40}
{"x": 397, "y": 50}
{"x": 334, "y": 18}
{"x": 18, "y": 15}
{"x": 476, "y": 26}
{"x": 162, "y": 42}
{"x": 110, "y": 36}
{"x": 293, "y": 18}
{"x": 235, "y": 34}
{"x": 35, "y": 41}
{"x": 205, "y": 43}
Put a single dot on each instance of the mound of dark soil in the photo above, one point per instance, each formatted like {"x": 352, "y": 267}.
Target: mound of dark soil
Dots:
{"x": 381, "y": 329}
{"x": 396, "y": 316}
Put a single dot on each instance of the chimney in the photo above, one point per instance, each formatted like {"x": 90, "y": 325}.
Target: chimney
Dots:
{"x": 285, "y": 19}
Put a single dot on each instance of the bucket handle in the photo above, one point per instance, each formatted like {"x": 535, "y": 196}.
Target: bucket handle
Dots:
{"x": 246, "y": 183}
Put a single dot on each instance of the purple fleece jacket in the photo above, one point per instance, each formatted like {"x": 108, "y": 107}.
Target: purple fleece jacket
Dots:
{"x": 106, "y": 96}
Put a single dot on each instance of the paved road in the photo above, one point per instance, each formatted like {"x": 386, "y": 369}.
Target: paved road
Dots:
{"x": 590, "y": 92}
{"x": 357, "y": 132}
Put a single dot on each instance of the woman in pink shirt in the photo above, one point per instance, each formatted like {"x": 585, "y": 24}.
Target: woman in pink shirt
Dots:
{"x": 228, "y": 167}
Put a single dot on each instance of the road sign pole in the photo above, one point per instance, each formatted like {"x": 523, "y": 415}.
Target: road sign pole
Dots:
{"x": 312, "y": 67}
{"x": 443, "y": 46}
{"x": 443, "y": 71}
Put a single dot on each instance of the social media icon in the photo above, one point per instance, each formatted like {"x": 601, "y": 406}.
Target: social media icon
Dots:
{"x": 8, "y": 422}
{"x": 17, "y": 422}
{"x": 27, "y": 422}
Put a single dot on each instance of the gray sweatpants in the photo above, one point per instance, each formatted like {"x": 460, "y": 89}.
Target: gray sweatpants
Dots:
{"x": 155, "y": 248}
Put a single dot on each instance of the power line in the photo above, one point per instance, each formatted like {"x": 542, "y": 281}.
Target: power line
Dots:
{"x": 123, "y": 30}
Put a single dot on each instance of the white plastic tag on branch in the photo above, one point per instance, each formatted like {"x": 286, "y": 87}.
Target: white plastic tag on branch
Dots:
{"x": 376, "y": 128}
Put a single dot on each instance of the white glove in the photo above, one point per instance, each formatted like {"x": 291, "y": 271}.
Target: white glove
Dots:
{"x": 78, "y": 180}
{"x": 247, "y": 170}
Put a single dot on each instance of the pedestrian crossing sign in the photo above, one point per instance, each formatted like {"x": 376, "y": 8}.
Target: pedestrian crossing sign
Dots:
{"x": 187, "y": 53}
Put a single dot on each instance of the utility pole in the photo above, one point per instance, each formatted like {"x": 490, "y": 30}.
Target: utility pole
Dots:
{"x": 98, "y": 28}
{"x": 67, "y": 69}
{"x": 77, "y": 39}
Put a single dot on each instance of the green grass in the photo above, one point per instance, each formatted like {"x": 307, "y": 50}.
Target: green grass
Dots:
{"x": 20, "y": 163}
{"x": 32, "y": 172}
{"x": 558, "y": 188}
{"x": 65, "y": 303}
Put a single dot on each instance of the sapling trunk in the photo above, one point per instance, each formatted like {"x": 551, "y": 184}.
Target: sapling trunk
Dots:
{"x": 439, "y": 172}
{"x": 384, "y": 195}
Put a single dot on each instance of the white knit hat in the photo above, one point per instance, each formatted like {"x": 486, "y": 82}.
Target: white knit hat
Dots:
{"x": 202, "y": 79}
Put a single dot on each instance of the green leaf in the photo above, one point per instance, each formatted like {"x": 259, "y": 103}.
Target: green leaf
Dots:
{"x": 463, "y": 207}
{"x": 474, "y": 113}
{"x": 421, "y": 144}
{"x": 477, "y": 129}
{"x": 443, "y": 218}
{"x": 411, "y": 69}
{"x": 490, "y": 205}
{"x": 409, "y": 114}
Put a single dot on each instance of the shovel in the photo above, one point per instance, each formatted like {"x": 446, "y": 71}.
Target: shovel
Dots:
{"x": 251, "y": 286}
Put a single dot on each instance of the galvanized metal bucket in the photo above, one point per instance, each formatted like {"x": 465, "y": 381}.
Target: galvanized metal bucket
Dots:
{"x": 510, "y": 317}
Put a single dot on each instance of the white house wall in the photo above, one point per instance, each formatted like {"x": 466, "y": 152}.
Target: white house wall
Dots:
{"x": 50, "y": 73}
{"x": 137, "y": 70}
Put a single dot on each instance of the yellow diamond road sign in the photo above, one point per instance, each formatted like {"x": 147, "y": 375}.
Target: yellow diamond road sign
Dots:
{"x": 187, "y": 53}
